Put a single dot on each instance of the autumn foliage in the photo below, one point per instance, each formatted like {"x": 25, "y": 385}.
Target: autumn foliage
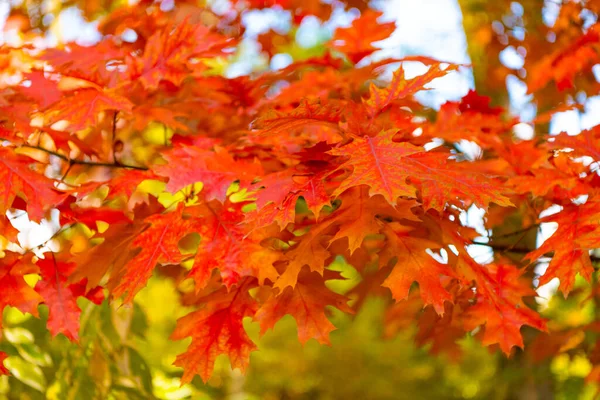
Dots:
{"x": 243, "y": 190}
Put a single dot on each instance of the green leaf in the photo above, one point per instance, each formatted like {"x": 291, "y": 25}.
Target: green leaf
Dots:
{"x": 18, "y": 335}
{"x": 32, "y": 353}
{"x": 13, "y": 316}
{"x": 140, "y": 369}
{"x": 29, "y": 374}
{"x": 139, "y": 322}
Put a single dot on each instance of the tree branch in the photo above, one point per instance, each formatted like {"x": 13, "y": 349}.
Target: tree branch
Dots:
{"x": 84, "y": 162}
{"x": 521, "y": 250}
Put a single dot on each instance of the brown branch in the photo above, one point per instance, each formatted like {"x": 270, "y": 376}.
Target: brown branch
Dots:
{"x": 505, "y": 248}
{"x": 84, "y": 162}
{"x": 62, "y": 179}
{"x": 521, "y": 250}
{"x": 513, "y": 233}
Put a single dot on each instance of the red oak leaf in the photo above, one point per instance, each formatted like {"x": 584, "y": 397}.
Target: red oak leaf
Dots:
{"x": 306, "y": 302}
{"x": 40, "y": 88}
{"x": 399, "y": 87}
{"x": 282, "y": 214}
{"x": 217, "y": 328}
{"x": 61, "y": 297}
{"x": 356, "y": 40}
{"x": 168, "y": 52}
{"x": 15, "y": 291}
{"x": 471, "y": 119}
{"x": 499, "y": 306}
{"x": 170, "y": 116}
{"x": 562, "y": 65}
{"x": 560, "y": 178}
{"x": 125, "y": 182}
{"x": 306, "y": 114}
{"x": 112, "y": 253}
{"x": 363, "y": 214}
{"x": 586, "y": 143}
{"x": 224, "y": 246}
{"x": 216, "y": 169}
{"x": 578, "y": 232}
{"x": 95, "y": 64}
{"x": 311, "y": 250}
{"x": 285, "y": 187}
{"x": 157, "y": 244}
{"x": 414, "y": 264}
{"x": 71, "y": 212}
{"x": 82, "y": 107}
{"x": 19, "y": 179}
{"x": 386, "y": 166}
{"x": 499, "y": 292}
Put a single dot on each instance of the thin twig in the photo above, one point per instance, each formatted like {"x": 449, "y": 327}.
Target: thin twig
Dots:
{"x": 517, "y": 232}
{"x": 62, "y": 179}
{"x": 114, "y": 137}
{"x": 521, "y": 250}
{"x": 84, "y": 162}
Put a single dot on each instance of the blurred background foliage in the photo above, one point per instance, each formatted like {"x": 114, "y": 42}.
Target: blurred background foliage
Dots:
{"x": 125, "y": 352}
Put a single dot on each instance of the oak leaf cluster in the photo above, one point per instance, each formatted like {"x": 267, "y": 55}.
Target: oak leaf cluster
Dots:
{"x": 259, "y": 182}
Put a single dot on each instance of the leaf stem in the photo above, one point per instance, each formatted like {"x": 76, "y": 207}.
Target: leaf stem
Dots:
{"x": 114, "y": 137}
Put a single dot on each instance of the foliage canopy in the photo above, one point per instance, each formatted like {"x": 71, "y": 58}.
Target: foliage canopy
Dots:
{"x": 301, "y": 190}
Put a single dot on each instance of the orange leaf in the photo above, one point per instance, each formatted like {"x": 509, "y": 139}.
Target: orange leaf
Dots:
{"x": 500, "y": 289}
{"x": 113, "y": 252}
{"x": 586, "y": 143}
{"x": 15, "y": 291}
{"x": 356, "y": 40}
{"x": 310, "y": 250}
{"x": 61, "y": 297}
{"x": 217, "y": 328}
{"x": 216, "y": 169}
{"x": 224, "y": 246}
{"x": 306, "y": 302}
{"x": 306, "y": 114}
{"x": 82, "y": 107}
{"x": 385, "y": 166}
{"x": 18, "y": 179}
{"x": 285, "y": 187}
{"x": 562, "y": 65}
{"x": 363, "y": 214}
{"x": 157, "y": 244}
{"x": 168, "y": 52}
{"x": 399, "y": 87}
{"x": 414, "y": 265}
{"x": 577, "y": 233}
